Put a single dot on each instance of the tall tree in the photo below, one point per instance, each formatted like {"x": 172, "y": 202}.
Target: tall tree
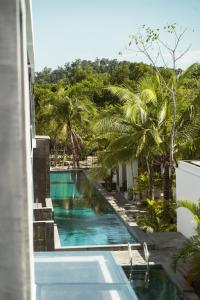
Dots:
{"x": 144, "y": 41}
{"x": 68, "y": 113}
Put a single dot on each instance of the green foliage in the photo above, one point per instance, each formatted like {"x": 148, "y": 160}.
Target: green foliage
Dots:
{"x": 160, "y": 215}
{"x": 194, "y": 208}
{"x": 130, "y": 193}
{"x": 190, "y": 250}
{"x": 132, "y": 111}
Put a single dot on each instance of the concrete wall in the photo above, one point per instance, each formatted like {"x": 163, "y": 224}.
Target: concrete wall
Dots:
{"x": 41, "y": 169}
{"x": 43, "y": 214}
{"x": 43, "y": 235}
{"x": 187, "y": 187}
{"x": 131, "y": 171}
{"x": 16, "y": 197}
{"x": 126, "y": 173}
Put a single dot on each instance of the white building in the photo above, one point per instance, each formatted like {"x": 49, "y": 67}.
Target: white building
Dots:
{"x": 126, "y": 173}
{"x": 187, "y": 188}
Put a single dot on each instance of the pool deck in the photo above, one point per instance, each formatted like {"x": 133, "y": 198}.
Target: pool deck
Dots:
{"x": 162, "y": 245}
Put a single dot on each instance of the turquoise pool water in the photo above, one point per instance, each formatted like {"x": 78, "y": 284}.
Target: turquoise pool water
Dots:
{"x": 160, "y": 286}
{"x": 82, "y": 215}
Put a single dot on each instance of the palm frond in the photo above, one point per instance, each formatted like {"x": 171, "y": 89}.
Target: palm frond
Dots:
{"x": 193, "y": 207}
{"x": 187, "y": 72}
{"x": 156, "y": 136}
{"x": 123, "y": 93}
{"x": 131, "y": 110}
{"x": 148, "y": 95}
{"x": 188, "y": 249}
{"x": 107, "y": 124}
{"x": 126, "y": 140}
{"x": 141, "y": 144}
{"x": 162, "y": 113}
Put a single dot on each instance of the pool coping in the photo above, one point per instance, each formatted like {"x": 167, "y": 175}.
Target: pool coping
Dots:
{"x": 177, "y": 278}
{"x": 112, "y": 247}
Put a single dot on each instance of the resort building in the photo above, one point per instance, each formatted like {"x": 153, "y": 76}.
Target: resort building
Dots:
{"x": 92, "y": 252}
{"x": 16, "y": 134}
{"x": 25, "y": 157}
{"x": 187, "y": 188}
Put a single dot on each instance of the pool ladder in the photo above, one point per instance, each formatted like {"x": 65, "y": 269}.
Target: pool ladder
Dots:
{"x": 143, "y": 271}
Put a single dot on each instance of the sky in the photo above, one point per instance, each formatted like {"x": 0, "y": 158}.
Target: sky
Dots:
{"x": 66, "y": 30}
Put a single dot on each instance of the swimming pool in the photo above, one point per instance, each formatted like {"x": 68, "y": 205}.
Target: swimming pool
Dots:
{"x": 81, "y": 213}
{"x": 160, "y": 287}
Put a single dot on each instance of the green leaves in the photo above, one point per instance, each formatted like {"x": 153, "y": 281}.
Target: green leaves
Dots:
{"x": 122, "y": 93}
{"x": 187, "y": 73}
{"x": 140, "y": 144}
{"x": 148, "y": 96}
{"x": 190, "y": 251}
{"x": 140, "y": 127}
{"x": 132, "y": 107}
{"x": 193, "y": 207}
{"x": 162, "y": 113}
{"x": 156, "y": 135}
{"x": 158, "y": 216}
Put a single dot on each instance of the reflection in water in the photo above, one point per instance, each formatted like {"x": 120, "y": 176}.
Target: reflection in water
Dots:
{"x": 82, "y": 214}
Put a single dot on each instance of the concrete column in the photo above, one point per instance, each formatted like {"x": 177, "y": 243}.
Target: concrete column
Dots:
{"x": 43, "y": 235}
{"x": 16, "y": 195}
{"x": 41, "y": 169}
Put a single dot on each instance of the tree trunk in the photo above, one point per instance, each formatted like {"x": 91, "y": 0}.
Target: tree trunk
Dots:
{"x": 77, "y": 148}
{"x": 167, "y": 183}
{"x": 150, "y": 179}
{"x": 169, "y": 164}
{"x": 55, "y": 155}
{"x": 70, "y": 135}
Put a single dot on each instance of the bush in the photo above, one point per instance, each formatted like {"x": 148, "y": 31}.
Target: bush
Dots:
{"x": 160, "y": 215}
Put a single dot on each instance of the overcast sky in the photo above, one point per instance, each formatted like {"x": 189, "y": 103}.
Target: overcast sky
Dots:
{"x": 65, "y": 30}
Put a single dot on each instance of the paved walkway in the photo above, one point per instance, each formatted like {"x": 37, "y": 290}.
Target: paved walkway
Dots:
{"x": 162, "y": 245}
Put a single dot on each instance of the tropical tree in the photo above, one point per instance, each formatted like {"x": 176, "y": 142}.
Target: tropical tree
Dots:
{"x": 67, "y": 114}
{"x": 132, "y": 129}
{"x": 149, "y": 42}
{"x": 190, "y": 251}
{"x": 142, "y": 128}
{"x": 160, "y": 215}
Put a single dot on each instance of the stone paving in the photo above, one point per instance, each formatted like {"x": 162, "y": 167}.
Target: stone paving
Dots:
{"x": 162, "y": 245}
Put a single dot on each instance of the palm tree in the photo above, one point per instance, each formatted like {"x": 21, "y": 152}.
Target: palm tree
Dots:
{"x": 132, "y": 129}
{"x": 190, "y": 251}
{"x": 142, "y": 126}
{"x": 68, "y": 113}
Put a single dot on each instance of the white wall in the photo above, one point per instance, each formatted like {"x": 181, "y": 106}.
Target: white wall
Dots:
{"x": 131, "y": 172}
{"x": 187, "y": 188}
{"x": 16, "y": 197}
